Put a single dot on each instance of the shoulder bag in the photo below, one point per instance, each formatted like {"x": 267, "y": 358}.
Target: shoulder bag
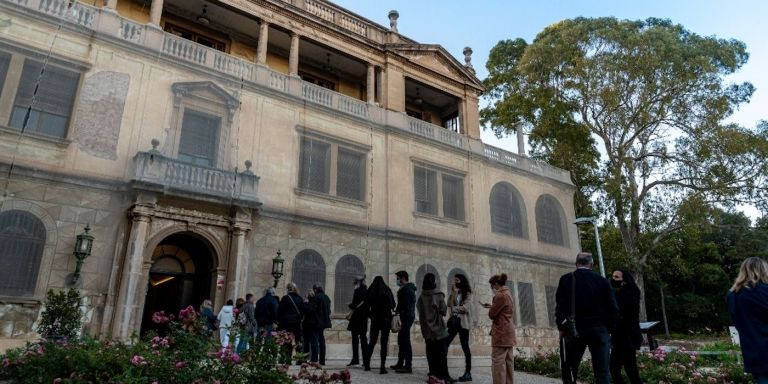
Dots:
{"x": 396, "y": 323}
{"x": 569, "y": 324}
{"x": 352, "y": 311}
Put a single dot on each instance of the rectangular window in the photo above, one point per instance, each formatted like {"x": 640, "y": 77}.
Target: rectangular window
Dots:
{"x": 551, "y": 291}
{"x": 452, "y": 122}
{"x": 350, "y": 174}
{"x": 44, "y": 108}
{"x": 196, "y": 37}
{"x": 453, "y": 197}
{"x": 527, "y": 308}
{"x": 199, "y": 138}
{"x": 425, "y": 190}
{"x": 314, "y": 173}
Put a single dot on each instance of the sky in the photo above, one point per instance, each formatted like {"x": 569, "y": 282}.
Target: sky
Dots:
{"x": 481, "y": 24}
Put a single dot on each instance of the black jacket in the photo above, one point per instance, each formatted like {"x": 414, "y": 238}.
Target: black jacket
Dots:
{"x": 289, "y": 315}
{"x": 595, "y": 303}
{"x": 380, "y": 307}
{"x": 359, "y": 320}
{"x": 627, "y": 334}
{"x": 324, "y": 312}
{"x": 266, "y": 310}
{"x": 749, "y": 311}
{"x": 406, "y": 301}
{"x": 312, "y": 310}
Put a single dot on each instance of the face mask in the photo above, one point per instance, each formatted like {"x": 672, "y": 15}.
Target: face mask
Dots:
{"x": 617, "y": 283}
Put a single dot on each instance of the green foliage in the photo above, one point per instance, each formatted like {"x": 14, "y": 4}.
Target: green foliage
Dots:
{"x": 61, "y": 317}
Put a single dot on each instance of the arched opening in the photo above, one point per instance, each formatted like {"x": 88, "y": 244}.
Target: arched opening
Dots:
{"x": 181, "y": 275}
{"x": 550, "y": 221}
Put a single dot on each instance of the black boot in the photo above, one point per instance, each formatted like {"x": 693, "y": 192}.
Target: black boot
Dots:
{"x": 466, "y": 377}
{"x": 397, "y": 366}
{"x": 382, "y": 370}
{"x": 404, "y": 370}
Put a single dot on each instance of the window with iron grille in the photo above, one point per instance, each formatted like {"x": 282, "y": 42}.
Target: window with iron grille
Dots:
{"x": 315, "y": 171}
{"x": 22, "y": 239}
{"x": 551, "y": 291}
{"x": 350, "y": 173}
{"x": 348, "y": 268}
{"x": 199, "y": 138}
{"x": 453, "y": 197}
{"x": 549, "y": 221}
{"x": 506, "y": 211}
{"x": 423, "y": 270}
{"x": 425, "y": 190}
{"x": 50, "y": 113}
{"x": 527, "y": 308}
{"x": 308, "y": 269}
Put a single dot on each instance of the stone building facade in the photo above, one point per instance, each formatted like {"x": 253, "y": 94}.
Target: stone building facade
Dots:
{"x": 199, "y": 138}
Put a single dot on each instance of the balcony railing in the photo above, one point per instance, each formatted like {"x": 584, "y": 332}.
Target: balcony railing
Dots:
{"x": 156, "y": 171}
{"x": 176, "y": 49}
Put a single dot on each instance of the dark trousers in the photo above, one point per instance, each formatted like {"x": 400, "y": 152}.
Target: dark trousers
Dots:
{"x": 404, "y": 351}
{"x": 358, "y": 339}
{"x": 375, "y": 330}
{"x": 437, "y": 358}
{"x": 598, "y": 340}
{"x": 464, "y": 339}
{"x": 312, "y": 343}
{"x": 321, "y": 341}
{"x": 624, "y": 356}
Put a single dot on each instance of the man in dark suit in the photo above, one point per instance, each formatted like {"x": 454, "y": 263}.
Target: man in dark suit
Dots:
{"x": 595, "y": 312}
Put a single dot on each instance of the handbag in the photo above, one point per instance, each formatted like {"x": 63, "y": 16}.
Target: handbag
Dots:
{"x": 352, "y": 311}
{"x": 569, "y": 324}
{"x": 454, "y": 322}
{"x": 396, "y": 324}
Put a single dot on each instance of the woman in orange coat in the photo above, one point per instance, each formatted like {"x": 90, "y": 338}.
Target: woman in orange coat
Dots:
{"x": 503, "y": 339}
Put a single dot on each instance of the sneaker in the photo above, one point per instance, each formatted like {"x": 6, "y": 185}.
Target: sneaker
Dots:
{"x": 404, "y": 370}
{"x": 467, "y": 377}
{"x": 351, "y": 363}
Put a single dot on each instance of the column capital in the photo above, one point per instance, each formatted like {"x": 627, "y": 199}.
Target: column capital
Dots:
{"x": 141, "y": 212}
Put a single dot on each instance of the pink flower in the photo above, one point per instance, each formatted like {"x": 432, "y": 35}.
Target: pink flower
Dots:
{"x": 138, "y": 360}
{"x": 181, "y": 364}
{"x": 160, "y": 317}
{"x": 6, "y": 362}
{"x": 235, "y": 358}
{"x": 57, "y": 380}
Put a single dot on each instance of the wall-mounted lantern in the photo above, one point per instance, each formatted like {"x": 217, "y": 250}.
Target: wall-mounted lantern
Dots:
{"x": 277, "y": 267}
{"x": 83, "y": 247}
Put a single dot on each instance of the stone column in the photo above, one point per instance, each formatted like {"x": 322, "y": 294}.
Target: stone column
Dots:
{"x": 261, "y": 48}
{"x": 155, "y": 12}
{"x": 237, "y": 268}
{"x": 371, "y": 85}
{"x": 520, "y": 141}
{"x": 111, "y": 4}
{"x": 293, "y": 59}
{"x": 127, "y": 308}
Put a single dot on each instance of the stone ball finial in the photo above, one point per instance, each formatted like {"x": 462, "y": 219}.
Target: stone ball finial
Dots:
{"x": 468, "y": 57}
{"x": 155, "y": 143}
{"x": 393, "y": 16}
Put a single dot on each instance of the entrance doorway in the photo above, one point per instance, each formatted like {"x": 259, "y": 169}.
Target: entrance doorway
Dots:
{"x": 181, "y": 275}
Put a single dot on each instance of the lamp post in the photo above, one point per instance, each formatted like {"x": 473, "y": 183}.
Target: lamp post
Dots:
{"x": 277, "y": 267}
{"x": 83, "y": 246}
{"x": 593, "y": 221}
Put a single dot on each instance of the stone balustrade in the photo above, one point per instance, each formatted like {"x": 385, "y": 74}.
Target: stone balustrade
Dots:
{"x": 155, "y": 171}
{"x": 178, "y": 50}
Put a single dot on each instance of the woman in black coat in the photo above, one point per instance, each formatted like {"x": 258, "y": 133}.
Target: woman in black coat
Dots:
{"x": 380, "y": 303}
{"x": 748, "y": 306}
{"x": 358, "y": 323}
{"x": 627, "y": 337}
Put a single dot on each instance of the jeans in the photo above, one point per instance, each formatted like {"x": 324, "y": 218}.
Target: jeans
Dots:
{"x": 437, "y": 358}
{"x": 312, "y": 343}
{"x": 624, "y": 356}
{"x": 464, "y": 339}
{"x": 761, "y": 379}
{"x": 321, "y": 341}
{"x": 405, "y": 352}
{"x": 375, "y": 330}
{"x": 598, "y": 340}
{"x": 361, "y": 339}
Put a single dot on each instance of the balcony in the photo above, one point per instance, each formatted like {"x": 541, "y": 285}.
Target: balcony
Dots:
{"x": 156, "y": 172}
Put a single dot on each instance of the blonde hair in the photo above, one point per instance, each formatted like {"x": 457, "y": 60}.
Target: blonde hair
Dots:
{"x": 753, "y": 270}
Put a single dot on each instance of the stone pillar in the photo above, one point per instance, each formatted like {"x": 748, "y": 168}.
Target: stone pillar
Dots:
{"x": 520, "y": 141}
{"x": 237, "y": 267}
{"x": 155, "y": 12}
{"x": 371, "y": 84}
{"x": 127, "y": 308}
{"x": 111, "y": 4}
{"x": 261, "y": 48}
{"x": 293, "y": 59}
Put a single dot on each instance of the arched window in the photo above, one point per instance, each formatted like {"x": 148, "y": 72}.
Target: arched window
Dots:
{"x": 550, "y": 221}
{"x": 308, "y": 269}
{"x": 507, "y": 211}
{"x": 348, "y": 268}
{"x": 22, "y": 238}
{"x": 423, "y": 270}
{"x": 451, "y": 275}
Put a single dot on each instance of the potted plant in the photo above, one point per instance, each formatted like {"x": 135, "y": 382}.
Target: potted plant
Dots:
{"x": 61, "y": 319}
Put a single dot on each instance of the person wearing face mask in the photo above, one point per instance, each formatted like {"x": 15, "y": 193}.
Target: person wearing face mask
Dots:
{"x": 358, "y": 323}
{"x": 503, "y": 339}
{"x": 626, "y": 337}
{"x": 406, "y": 308}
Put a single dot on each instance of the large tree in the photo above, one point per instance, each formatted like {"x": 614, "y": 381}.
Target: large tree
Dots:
{"x": 635, "y": 110}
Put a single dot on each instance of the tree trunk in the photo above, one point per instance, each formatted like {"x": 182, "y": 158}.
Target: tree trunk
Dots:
{"x": 641, "y": 284}
{"x": 664, "y": 309}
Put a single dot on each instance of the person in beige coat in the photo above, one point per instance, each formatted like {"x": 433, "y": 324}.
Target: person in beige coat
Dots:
{"x": 460, "y": 320}
{"x": 503, "y": 339}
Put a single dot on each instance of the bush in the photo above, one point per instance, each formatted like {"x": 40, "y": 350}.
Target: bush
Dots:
{"x": 180, "y": 352}
{"x": 61, "y": 317}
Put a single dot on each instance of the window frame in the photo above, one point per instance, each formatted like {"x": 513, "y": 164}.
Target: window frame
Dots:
{"x": 440, "y": 174}
{"x": 497, "y": 191}
{"x": 541, "y": 202}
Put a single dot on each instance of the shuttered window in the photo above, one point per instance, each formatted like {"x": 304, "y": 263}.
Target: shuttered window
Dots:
{"x": 527, "y": 307}
{"x": 453, "y": 197}
{"x": 314, "y": 174}
{"x": 348, "y": 268}
{"x": 350, "y": 174}
{"x": 425, "y": 190}
{"x": 551, "y": 305}
{"x": 549, "y": 221}
{"x": 506, "y": 211}
{"x": 199, "y": 138}
{"x": 308, "y": 269}
{"x": 22, "y": 238}
{"x": 53, "y": 97}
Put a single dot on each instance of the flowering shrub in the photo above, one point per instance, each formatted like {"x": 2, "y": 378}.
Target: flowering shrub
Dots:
{"x": 662, "y": 367}
{"x": 180, "y": 352}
